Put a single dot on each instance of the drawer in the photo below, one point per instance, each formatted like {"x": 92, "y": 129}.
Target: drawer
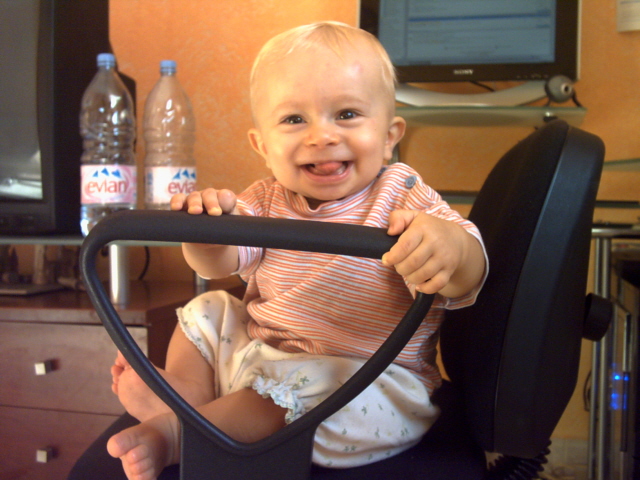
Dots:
{"x": 79, "y": 357}
{"x": 25, "y": 431}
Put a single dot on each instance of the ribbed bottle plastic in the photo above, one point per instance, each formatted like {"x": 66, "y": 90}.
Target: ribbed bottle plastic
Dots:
{"x": 108, "y": 128}
{"x": 169, "y": 133}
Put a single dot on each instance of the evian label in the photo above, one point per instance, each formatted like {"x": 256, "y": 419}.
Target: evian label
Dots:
{"x": 162, "y": 183}
{"x": 108, "y": 184}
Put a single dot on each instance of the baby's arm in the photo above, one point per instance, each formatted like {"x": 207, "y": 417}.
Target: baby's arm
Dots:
{"x": 436, "y": 255}
{"x": 209, "y": 261}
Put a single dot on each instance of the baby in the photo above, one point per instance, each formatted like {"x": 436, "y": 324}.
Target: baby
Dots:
{"x": 323, "y": 105}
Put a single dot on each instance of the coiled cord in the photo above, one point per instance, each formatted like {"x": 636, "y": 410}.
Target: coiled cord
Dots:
{"x": 514, "y": 468}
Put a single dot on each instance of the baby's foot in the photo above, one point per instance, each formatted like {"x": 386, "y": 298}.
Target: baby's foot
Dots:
{"x": 134, "y": 394}
{"x": 147, "y": 448}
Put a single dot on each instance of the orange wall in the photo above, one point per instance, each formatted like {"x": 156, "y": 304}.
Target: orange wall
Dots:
{"x": 214, "y": 43}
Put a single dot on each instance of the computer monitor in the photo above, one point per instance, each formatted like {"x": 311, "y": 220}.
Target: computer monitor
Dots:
{"x": 477, "y": 40}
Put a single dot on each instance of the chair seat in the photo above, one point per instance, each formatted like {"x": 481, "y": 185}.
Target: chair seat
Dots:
{"x": 446, "y": 452}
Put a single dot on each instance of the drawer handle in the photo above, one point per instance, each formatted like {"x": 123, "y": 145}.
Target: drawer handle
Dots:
{"x": 44, "y": 455}
{"x": 42, "y": 368}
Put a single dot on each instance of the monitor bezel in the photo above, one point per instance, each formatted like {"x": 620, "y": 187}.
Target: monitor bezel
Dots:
{"x": 567, "y": 53}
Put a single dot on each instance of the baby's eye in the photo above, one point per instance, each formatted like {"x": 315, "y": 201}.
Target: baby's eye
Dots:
{"x": 347, "y": 115}
{"x": 293, "y": 119}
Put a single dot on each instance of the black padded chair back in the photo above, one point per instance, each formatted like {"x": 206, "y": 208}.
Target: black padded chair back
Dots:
{"x": 515, "y": 353}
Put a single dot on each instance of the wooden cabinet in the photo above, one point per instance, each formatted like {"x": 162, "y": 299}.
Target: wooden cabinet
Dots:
{"x": 55, "y": 384}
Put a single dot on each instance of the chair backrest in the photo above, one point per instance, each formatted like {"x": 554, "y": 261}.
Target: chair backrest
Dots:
{"x": 515, "y": 353}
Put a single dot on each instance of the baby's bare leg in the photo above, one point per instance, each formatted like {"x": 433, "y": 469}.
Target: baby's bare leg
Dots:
{"x": 147, "y": 448}
{"x": 186, "y": 371}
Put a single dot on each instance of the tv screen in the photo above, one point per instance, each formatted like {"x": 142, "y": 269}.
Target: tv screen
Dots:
{"x": 48, "y": 53}
{"x": 476, "y": 40}
{"x": 20, "y": 170}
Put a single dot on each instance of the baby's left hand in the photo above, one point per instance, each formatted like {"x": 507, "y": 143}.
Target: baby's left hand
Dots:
{"x": 430, "y": 252}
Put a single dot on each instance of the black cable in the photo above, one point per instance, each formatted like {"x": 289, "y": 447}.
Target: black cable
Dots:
{"x": 147, "y": 256}
{"x": 574, "y": 97}
{"x": 586, "y": 392}
{"x": 514, "y": 468}
{"x": 482, "y": 85}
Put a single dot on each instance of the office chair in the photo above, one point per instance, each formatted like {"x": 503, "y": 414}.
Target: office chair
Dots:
{"x": 512, "y": 358}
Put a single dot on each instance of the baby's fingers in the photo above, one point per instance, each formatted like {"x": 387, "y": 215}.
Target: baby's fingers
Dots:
{"x": 191, "y": 203}
{"x": 217, "y": 202}
{"x": 213, "y": 202}
{"x": 179, "y": 202}
{"x": 227, "y": 200}
{"x": 408, "y": 241}
{"x": 434, "y": 283}
{"x": 209, "y": 202}
{"x": 399, "y": 220}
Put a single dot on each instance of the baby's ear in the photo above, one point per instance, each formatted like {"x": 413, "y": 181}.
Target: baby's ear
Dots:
{"x": 394, "y": 135}
{"x": 257, "y": 143}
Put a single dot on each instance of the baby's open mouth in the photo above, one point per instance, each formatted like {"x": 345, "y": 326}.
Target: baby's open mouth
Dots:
{"x": 327, "y": 168}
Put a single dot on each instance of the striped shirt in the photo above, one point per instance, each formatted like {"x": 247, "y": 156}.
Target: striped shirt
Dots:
{"x": 338, "y": 305}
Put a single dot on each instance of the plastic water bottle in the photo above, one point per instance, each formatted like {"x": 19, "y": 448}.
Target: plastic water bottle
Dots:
{"x": 108, "y": 164}
{"x": 169, "y": 133}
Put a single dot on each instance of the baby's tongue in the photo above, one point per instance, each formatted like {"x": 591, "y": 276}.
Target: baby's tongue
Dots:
{"x": 327, "y": 168}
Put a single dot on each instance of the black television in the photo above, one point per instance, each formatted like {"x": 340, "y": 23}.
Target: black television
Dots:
{"x": 48, "y": 52}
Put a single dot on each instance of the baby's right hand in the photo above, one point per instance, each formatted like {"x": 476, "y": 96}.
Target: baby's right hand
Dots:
{"x": 213, "y": 202}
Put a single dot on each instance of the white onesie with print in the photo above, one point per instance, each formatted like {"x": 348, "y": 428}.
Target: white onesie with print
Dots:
{"x": 390, "y": 416}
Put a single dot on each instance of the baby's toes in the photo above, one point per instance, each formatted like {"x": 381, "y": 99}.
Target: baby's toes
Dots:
{"x": 138, "y": 464}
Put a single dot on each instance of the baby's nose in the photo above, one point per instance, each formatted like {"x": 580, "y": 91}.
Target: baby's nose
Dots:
{"x": 322, "y": 134}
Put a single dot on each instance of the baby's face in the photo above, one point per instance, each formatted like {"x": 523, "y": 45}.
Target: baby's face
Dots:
{"x": 325, "y": 124}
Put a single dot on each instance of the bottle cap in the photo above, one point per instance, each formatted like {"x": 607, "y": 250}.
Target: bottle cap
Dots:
{"x": 106, "y": 60}
{"x": 168, "y": 67}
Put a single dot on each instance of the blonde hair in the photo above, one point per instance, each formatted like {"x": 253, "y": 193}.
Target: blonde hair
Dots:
{"x": 338, "y": 37}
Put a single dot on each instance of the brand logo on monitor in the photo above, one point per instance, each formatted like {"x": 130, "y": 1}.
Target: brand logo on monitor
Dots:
{"x": 463, "y": 71}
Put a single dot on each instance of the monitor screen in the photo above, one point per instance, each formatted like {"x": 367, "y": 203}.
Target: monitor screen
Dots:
{"x": 20, "y": 165}
{"x": 48, "y": 53}
{"x": 476, "y": 40}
